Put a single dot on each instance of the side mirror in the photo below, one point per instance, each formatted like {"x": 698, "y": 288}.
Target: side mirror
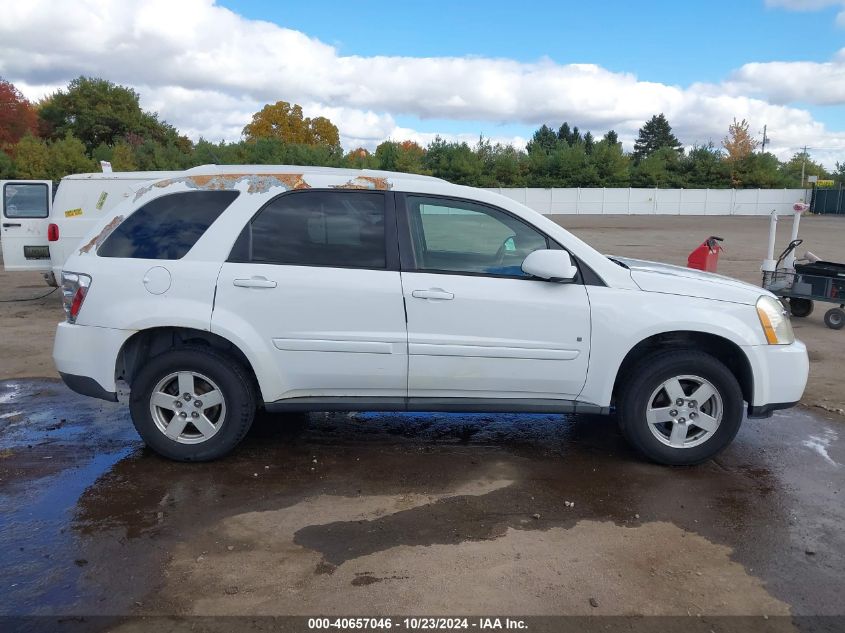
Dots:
{"x": 550, "y": 265}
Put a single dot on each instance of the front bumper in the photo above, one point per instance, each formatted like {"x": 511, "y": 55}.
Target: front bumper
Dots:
{"x": 86, "y": 357}
{"x": 780, "y": 376}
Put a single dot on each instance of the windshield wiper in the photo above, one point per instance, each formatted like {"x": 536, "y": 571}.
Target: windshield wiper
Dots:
{"x": 619, "y": 263}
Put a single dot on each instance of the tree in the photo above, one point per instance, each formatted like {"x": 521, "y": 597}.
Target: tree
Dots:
{"x": 658, "y": 169}
{"x": 738, "y": 143}
{"x": 455, "y": 162}
{"x": 704, "y": 167}
{"x": 7, "y": 166}
{"x": 564, "y": 132}
{"x": 287, "y": 123}
{"x": 760, "y": 170}
{"x": 610, "y": 164}
{"x": 501, "y": 164}
{"x": 654, "y": 135}
{"x": 611, "y": 137}
{"x": 97, "y": 111}
{"x": 360, "y": 158}
{"x": 32, "y": 157}
{"x": 839, "y": 173}
{"x": 798, "y": 164}
{"x": 589, "y": 142}
{"x": 404, "y": 156}
{"x": 122, "y": 158}
{"x": 17, "y": 116}
{"x": 543, "y": 140}
{"x": 67, "y": 156}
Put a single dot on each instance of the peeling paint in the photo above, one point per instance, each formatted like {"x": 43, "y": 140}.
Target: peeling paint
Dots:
{"x": 102, "y": 235}
{"x": 365, "y": 182}
{"x": 256, "y": 183}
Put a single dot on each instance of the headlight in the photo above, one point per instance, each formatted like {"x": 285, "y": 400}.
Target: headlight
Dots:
{"x": 775, "y": 321}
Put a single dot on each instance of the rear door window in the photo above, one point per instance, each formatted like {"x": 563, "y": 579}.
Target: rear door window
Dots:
{"x": 341, "y": 229}
{"x": 26, "y": 200}
{"x": 167, "y": 227}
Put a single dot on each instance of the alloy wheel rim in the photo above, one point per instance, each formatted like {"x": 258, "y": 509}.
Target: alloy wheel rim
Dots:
{"x": 187, "y": 407}
{"x": 684, "y": 411}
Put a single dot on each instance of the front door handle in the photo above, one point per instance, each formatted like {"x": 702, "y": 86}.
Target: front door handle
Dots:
{"x": 9, "y": 225}
{"x": 255, "y": 282}
{"x": 437, "y": 294}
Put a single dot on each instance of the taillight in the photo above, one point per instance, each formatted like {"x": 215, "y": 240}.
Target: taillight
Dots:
{"x": 74, "y": 288}
{"x": 53, "y": 233}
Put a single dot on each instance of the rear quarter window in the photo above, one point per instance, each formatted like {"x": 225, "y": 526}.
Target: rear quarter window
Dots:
{"x": 167, "y": 227}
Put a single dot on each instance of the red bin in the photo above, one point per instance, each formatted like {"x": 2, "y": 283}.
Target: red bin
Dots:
{"x": 706, "y": 256}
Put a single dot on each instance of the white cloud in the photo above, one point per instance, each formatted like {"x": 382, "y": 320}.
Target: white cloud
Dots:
{"x": 790, "y": 82}
{"x": 206, "y": 69}
{"x": 811, "y": 5}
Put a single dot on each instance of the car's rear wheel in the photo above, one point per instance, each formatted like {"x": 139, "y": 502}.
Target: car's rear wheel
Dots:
{"x": 192, "y": 404}
{"x": 680, "y": 407}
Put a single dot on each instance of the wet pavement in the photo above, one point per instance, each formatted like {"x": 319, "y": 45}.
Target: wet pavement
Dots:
{"x": 406, "y": 513}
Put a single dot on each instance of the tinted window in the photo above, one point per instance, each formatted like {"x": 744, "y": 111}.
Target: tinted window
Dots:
{"x": 28, "y": 200}
{"x": 167, "y": 227}
{"x": 464, "y": 237}
{"x": 317, "y": 228}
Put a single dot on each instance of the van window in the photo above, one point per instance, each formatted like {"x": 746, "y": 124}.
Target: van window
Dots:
{"x": 26, "y": 200}
{"x": 343, "y": 229}
{"x": 167, "y": 227}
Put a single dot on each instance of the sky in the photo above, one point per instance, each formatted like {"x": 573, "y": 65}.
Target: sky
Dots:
{"x": 460, "y": 69}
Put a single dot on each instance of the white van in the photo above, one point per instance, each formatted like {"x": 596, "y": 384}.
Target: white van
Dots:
{"x": 39, "y": 232}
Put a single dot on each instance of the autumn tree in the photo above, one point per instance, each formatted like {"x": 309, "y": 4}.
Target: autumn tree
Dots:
{"x": 654, "y": 135}
{"x": 738, "y": 143}
{"x": 17, "y": 115}
{"x": 287, "y": 123}
{"x": 360, "y": 158}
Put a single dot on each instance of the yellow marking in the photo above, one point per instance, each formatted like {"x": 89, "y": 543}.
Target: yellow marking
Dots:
{"x": 73, "y": 212}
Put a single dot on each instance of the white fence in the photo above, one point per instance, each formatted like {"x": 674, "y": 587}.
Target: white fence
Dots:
{"x": 633, "y": 201}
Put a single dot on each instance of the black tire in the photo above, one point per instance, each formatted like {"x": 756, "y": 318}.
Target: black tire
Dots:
{"x": 835, "y": 318}
{"x": 801, "y": 307}
{"x": 230, "y": 377}
{"x": 647, "y": 376}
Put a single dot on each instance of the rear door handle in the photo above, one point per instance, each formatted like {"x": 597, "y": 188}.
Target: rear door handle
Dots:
{"x": 437, "y": 294}
{"x": 255, "y": 282}
{"x": 9, "y": 225}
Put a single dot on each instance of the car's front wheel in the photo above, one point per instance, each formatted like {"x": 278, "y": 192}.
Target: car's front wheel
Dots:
{"x": 680, "y": 407}
{"x": 192, "y": 404}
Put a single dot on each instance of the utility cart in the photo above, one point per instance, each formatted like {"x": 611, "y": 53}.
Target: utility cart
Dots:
{"x": 804, "y": 281}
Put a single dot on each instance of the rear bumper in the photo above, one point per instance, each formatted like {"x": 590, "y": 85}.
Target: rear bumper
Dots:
{"x": 780, "y": 376}
{"x": 86, "y": 356}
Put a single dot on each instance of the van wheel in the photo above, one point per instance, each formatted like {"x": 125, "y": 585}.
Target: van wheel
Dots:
{"x": 192, "y": 404}
{"x": 680, "y": 407}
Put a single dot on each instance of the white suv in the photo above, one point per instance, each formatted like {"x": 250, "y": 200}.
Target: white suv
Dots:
{"x": 223, "y": 289}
